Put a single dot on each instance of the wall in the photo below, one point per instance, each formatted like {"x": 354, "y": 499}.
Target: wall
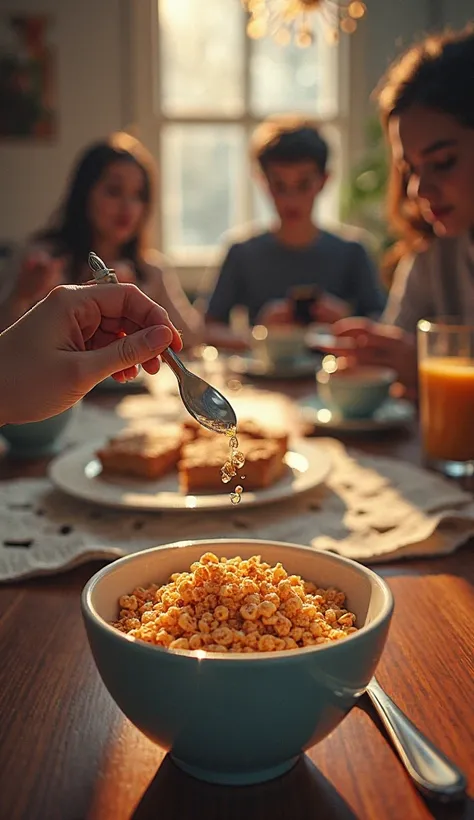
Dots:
{"x": 92, "y": 101}
{"x": 392, "y": 25}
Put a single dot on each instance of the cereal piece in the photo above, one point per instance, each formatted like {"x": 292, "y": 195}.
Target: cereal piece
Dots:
{"x": 179, "y": 643}
{"x": 223, "y": 635}
{"x": 292, "y": 605}
{"x": 163, "y": 638}
{"x": 201, "y": 574}
{"x": 249, "y": 612}
{"x": 128, "y": 602}
{"x": 185, "y": 591}
{"x": 347, "y": 619}
{"x": 290, "y": 643}
{"x": 196, "y": 641}
{"x": 221, "y": 613}
{"x": 209, "y": 558}
{"x": 187, "y": 623}
{"x": 283, "y": 626}
{"x": 266, "y": 643}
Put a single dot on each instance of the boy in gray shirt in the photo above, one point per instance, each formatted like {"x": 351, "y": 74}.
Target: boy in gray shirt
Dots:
{"x": 260, "y": 273}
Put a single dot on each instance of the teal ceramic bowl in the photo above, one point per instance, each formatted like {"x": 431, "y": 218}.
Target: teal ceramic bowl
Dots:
{"x": 355, "y": 393}
{"x": 36, "y": 439}
{"x": 236, "y": 719}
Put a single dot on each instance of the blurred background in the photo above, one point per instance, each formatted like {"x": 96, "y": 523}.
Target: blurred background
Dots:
{"x": 185, "y": 77}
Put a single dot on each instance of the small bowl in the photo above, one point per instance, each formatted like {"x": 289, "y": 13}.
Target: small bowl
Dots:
{"x": 278, "y": 345}
{"x": 236, "y": 719}
{"x": 356, "y": 392}
{"x": 36, "y": 439}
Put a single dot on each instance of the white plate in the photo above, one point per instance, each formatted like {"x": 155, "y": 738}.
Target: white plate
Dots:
{"x": 78, "y": 473}
{"x": 392, "y": 413}
{"x": 301, "y": 367}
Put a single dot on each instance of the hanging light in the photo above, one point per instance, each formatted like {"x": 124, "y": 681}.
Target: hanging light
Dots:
{"x": 287, "y": 20}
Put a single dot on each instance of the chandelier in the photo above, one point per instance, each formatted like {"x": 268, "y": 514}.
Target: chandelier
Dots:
{"x": 285, "y": 20}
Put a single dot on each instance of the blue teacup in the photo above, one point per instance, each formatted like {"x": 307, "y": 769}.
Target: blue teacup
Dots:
{"x": 357, "y": 392}
{"x": 36, "y": 439}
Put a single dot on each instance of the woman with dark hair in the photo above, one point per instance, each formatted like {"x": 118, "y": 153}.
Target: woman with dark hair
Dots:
{"x": 107, "y": 208}
{"x": 427, "y": 108}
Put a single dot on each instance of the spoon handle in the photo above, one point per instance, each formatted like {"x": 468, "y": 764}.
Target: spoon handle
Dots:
{"x": 434, "y": 775}
{"x": 104, "y": 275}
{"x": 174, "y": 362}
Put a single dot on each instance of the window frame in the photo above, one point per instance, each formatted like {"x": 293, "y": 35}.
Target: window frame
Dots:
{"x": 146, "y": 119}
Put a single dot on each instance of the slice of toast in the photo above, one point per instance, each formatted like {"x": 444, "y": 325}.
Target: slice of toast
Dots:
{"x": 202, "y": 460}
{"x": 142, "y": 454}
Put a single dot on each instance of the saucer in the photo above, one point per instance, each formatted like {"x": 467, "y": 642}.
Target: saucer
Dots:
{"x": 391, "y": 414}
{"x": 301, "y": 367}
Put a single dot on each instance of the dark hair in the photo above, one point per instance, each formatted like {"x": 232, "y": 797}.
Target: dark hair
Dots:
{"x": 437, "y": 73}
{"x": 288, "y": 139}
{"x": 70, "y": 230}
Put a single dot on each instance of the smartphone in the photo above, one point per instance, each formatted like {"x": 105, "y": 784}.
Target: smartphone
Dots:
{"x": 303, "y": 299}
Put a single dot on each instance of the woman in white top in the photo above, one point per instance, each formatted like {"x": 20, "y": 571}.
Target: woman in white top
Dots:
{"x": 106, "y": 208}
{"x": 427, "y": 107}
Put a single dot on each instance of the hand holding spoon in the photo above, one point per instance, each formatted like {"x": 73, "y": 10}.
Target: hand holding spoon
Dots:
{"x": 209, "y": 407}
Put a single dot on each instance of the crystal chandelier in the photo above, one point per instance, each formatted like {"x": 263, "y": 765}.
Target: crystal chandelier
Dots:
{"x": 285, "y": 20}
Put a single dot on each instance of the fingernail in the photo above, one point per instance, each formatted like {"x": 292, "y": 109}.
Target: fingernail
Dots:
{"x": 157, "y": 337}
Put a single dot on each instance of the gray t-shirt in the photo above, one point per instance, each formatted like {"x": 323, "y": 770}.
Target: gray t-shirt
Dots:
{"x": 435, "y": 283}
{"x": 262, "y": 269}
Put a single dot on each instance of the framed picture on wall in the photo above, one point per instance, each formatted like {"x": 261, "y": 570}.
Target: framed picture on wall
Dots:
{"x": 28, "y": 81}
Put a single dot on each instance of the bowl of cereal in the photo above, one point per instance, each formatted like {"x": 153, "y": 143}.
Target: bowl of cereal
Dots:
{"x": 236, "y": 655}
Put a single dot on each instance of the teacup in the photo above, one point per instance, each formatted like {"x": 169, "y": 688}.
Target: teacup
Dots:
{"x": 36, "y": 439}
{"x": 356, "y": 392}
{"x": 278, "y": 345}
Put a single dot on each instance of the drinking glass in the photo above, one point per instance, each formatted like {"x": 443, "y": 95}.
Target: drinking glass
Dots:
{"x": 446, "y": 381}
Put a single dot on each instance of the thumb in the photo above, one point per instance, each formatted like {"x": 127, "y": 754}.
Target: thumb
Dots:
{"x": 136, "y": 348}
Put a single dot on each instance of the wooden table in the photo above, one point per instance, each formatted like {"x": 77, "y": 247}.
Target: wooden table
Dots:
{"x": 67, "y": 753}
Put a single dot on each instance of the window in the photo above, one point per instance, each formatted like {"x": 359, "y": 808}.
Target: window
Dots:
{"x": 209, "y": 87}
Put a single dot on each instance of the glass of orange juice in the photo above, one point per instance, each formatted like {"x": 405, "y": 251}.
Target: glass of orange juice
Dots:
{"x": 446, "y": 381}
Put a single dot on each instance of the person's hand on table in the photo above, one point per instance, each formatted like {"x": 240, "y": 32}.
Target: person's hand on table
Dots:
{"x": 377, "y": 344}
{"x": 276, "y": 312}
{"x": 71, "y": 341}
{"x": 326, "y": 310}
{"x": 329, "y": 309}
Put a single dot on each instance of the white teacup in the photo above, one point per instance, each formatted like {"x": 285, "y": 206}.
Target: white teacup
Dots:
{"x": 278, "y": 345}
{"x": 357, "y": 392}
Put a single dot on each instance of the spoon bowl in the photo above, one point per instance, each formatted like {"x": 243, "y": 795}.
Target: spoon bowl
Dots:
{"x": 209, "y": 407}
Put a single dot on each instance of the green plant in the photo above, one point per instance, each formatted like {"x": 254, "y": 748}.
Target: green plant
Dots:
{"x": 364, "y": 195}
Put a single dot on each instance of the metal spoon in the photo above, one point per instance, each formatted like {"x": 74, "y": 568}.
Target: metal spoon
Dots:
{"x": 433, "y": 774}
{"x": 203, "y": 402}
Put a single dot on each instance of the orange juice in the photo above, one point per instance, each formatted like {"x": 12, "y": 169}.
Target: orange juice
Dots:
{"x": 447, "y": 408}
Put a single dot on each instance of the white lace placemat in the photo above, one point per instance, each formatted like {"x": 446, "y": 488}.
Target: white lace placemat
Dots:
{"x": 372, "y": 509}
